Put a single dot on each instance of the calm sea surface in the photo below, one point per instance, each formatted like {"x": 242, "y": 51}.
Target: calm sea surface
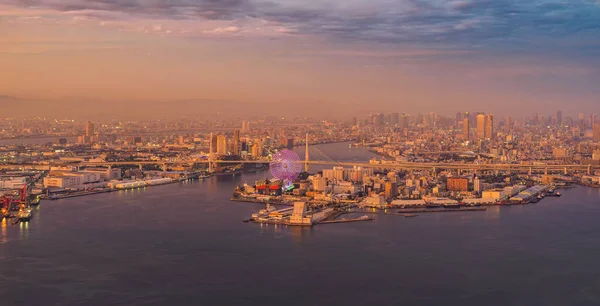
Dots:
{"x": 185, "y": 244}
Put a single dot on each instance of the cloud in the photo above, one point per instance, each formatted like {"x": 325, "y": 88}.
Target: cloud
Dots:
{"x": 453, "y": 24}
{"x": 224, "y": 30}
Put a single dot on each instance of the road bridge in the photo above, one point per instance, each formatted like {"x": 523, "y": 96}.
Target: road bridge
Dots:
{"x": 538, "y": 168}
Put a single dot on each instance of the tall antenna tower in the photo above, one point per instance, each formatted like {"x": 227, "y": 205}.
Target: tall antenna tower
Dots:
{"x": 210, "y": 154}
{"x": 306, "y": 155}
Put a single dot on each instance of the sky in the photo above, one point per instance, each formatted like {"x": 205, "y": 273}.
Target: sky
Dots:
{"x": 348, "y": 57}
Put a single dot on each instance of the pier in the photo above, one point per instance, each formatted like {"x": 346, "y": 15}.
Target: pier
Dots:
{"x": 363, "y": 218}
{"x": 435, "y": 210}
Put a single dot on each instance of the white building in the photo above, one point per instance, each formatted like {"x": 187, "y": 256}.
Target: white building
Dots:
{"x": 319, "y": 183}
{"x": 70, "y": 180}
{"x": 298, "y": 216}
{"x": 105, "y": 174}
{"x": 495, "y": 194}
{"x": 477, "y": 186}
{"x": 345, "y": 187}
{"x": 13, "y": 183}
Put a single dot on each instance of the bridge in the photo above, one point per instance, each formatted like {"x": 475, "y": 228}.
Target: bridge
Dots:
{"x": 320, "y": 158}
{"x": 537, "y": 168}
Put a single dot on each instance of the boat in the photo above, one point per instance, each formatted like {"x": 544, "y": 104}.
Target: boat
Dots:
{"x": 24, "y": 215}
{"x": 409, "y": 215}
{"x": 4, "y": 213}
{"x": 35, "y": 201}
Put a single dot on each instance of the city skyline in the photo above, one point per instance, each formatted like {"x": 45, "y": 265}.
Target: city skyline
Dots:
{"x": 414, "y": 56}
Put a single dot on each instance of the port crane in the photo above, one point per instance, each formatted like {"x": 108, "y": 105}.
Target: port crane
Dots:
{"x": 20, "y": 205}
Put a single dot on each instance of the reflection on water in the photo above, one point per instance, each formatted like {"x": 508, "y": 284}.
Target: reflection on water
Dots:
{"x": 4, "y": 237}
{"x": 492, "y": 212}
{"x": 100, "y": 249}
{"x": 299, "y": 233}
{"x": 24, "y": 230}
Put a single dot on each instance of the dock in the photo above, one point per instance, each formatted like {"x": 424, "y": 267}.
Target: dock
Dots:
{"x": 347, "y": 220}
{"x": 435, "y": 210}
{"x": 78, "y": 194}
{"x": 270, "y": 201}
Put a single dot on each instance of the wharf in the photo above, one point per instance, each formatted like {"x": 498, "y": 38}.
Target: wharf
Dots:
{"x": 78, "y": 194}
{"x": 434, "y": 210}
{"x": 347, "y": 220}
{"x": 272, "y": 202}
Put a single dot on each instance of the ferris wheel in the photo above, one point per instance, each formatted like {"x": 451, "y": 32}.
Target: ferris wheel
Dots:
{"x": 286, "y": 165}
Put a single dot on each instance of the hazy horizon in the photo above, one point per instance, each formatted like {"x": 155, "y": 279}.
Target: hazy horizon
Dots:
{"x": 341, "y": 58}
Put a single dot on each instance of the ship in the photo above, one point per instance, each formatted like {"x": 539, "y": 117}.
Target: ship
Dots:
{"x": 4, "y": 213}
{"x": 24, "y": 215}
{"x": 35, "y": 201}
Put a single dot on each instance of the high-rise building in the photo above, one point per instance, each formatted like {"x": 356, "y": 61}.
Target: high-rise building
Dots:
{"x": 257, "y": 149}
{"x": 458, "y": 184}
{"x": 489, "y": 126}
{"x": 480, "y": 126}
{"x": 391, "y": 190}
{"x": 89, "y": 129}
{"x": 221, "y": 145}
{"x": 466, "y": 129}
{"x": 245, "y": 126}
{"x": 236, "y": 142}
{"x": 477, "y": 185}
{"x": 379, "y": 119}
{"x": 508, "y": 122}
{"x": 290, "y": 143}
{"x": 597, "y": 132}
{"x": 459, "y": 119}
{"x": 559, "y": 118}
{"x": 395, "y": 119}
{"x": 213, "y": 144}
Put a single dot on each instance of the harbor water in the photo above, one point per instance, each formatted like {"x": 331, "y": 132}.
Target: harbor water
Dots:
{"x": 185, "y": 244}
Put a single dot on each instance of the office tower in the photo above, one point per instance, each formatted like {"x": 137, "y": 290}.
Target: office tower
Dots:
{"x": 395, "y": 118}
{"x": 236, "y": 142}
{"x": 489, "y": 126}
{"x": 508, "y": 122}
{"x": 459, "y": 119}
{"x": 213, "y": 144}
{"x": 245, "y": 126}
{"x": 221, "y": 145}
{"x": 480, "y": 126}
{"x": 434, "y": 117}
{"x": 89, "y": 129}
{"x": 592, "y": 119}
{"x": 559, "y": 118}
{"x": 257, "y": 149}
{"x": 597, "y": 132}
{"x": 466, "y": 129}
{"x": 378, "y": 119}
{"x": 290, "y": 143}
{"x": 391, "y": 190}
